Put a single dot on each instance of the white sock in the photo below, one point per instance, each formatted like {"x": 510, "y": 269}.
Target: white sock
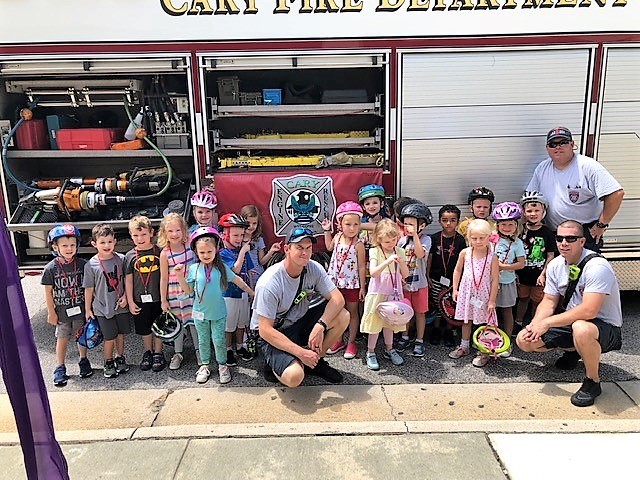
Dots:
{"x": 464, "y": 344}
{"x": 239, "y": 346}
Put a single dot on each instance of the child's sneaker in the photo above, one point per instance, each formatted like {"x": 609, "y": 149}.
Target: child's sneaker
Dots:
{"x": 336, "y": 347}
{"x": 147, "y": 360}
{"x": 202, "y": 375}
{"x": 158, "y": 362}
{"x": 402, "y": 344}
{"x": 245, "y": 355}
{"x": 372, "y": 361}
{"x": 481, "y": 360}
{"x": 225, "y": 374}
{"x": 85, "y": 367}
{"x": 110, "y": 369}
{"x": 121, "y": 364}
{"x": 394, "y": 356}
{"x": 418, "y": 349}
{"x": 459, "y": 352}
{"x": 351, "y": 351}
{"x": 176, "y": 361}
{"x": 231, "y": 358}
{"x": 60, "y": 376}
{"x": 506, "y": 353}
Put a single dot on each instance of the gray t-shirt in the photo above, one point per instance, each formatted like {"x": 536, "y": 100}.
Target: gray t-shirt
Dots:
{"x": 597, "y": 277}
{"x": 573, "y": 193}
{"x": 108, "y": 284}
{"x": 66, "y": 280}
{"x": 417, "y": 277}
{"x": 276, "y": 290}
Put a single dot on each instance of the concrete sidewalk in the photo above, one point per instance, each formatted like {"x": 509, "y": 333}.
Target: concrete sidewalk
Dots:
{"x": 356, "y": 432}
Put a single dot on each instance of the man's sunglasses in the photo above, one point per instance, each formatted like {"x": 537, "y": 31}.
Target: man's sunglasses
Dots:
{"x": 568, "y": 238}
{"x": 561, "y": 143}
{"x": 300, "y": 232}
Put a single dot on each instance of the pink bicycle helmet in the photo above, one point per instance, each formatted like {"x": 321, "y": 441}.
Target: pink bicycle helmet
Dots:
{"x": 205, "y": 199}
{"x": 348, "y": 208}
{"x": 203, "y": 232}
{"x": 506, "y": 211}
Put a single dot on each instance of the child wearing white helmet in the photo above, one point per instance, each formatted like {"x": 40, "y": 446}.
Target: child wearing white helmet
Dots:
{"x": 510, "y": 252}
{"x": 347, "y": 268}
{"x": 203, "y": 205}
{"x": 539, "y": 246}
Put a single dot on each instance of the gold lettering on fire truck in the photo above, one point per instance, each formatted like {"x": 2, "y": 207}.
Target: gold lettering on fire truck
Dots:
{"x": 177, "y": 8}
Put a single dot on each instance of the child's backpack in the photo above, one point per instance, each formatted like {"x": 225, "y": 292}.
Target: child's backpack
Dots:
{"x": 89, "y": 334}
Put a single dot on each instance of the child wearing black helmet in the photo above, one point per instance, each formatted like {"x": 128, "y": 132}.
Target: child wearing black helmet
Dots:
{"x": 479, "y": 200}
{"x": 414, "y": 218}
{"x": 64, "y": 296}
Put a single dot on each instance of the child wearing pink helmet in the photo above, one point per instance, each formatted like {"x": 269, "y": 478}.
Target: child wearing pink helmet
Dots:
{"x": 347, "y": 268}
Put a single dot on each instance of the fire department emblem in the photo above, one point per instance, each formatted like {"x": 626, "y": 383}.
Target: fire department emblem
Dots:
{"x": 301, "y": 200}
{"x": 574, "y": 195}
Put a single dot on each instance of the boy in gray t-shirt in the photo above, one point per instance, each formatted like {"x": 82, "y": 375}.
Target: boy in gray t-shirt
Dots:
{"x": 64, "y": 297}
{"x": 105, "y": 298}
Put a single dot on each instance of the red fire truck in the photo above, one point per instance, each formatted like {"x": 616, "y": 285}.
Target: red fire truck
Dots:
{"x": 293, "y": 104}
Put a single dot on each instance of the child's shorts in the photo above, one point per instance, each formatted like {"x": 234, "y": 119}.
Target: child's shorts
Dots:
{"x": 507, "y": 295}
{"x": 419, "y": 299}
{"x": 114, "y": 326}
{"x": 68, "y": 328}
{"x": 237, "y": 313}
{"x": 351, "y": 295}
{"x": 535, "y": 293}
{"x": 148, "y": 313}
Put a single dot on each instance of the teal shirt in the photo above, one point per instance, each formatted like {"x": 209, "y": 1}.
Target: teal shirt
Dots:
{"x": 208, "y": 295}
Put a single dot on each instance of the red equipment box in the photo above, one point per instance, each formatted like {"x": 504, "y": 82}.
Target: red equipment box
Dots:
{"x": 32, "y": 135}
{"x": 88, "y": 138}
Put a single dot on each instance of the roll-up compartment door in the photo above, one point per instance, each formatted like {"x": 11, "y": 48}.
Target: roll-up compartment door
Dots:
{"x": 619, "y": 140}
{"x": 480, "y": 118}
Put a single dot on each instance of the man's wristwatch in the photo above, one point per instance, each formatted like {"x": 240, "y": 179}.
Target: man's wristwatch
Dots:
{"x": 324, "y": 325}
{"x": 599, "y": 224}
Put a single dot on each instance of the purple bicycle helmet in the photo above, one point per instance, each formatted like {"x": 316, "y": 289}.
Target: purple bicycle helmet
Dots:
{"x": 506, "y": 211}
{"x": 203, "y": 232}
{"x": 205, "y": 199}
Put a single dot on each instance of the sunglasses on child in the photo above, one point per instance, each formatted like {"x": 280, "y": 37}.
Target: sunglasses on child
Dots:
{"x": 568, "y": 238}
{"x": 561, "y": 143}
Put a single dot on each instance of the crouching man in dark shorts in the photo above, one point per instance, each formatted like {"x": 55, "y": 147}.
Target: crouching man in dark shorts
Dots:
{"x": 293, "y": 336}
{"x": 591, "y": 323}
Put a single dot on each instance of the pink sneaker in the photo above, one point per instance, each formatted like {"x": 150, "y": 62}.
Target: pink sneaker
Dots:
{"x": 459, "y": 352}
{"x": 351, "y": 351}
{"x": 336, "y": 347}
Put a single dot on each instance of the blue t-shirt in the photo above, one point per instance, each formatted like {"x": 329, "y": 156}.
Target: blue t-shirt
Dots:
{"x": 229, "y": 256}
{"x": 507, "y": 252}
{"x": 208, "y": 295}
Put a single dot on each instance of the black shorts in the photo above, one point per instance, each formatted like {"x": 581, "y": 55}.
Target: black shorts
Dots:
{"x": 609, "y": 336}
{"x": 148, "y": 313}
{"x": 114, "y": 326}
{"x": 298, "y": 333}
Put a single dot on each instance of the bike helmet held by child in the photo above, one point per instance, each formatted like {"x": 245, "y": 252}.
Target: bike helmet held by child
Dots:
{"x": 203, "y": 232}
{"x": 506, "y": 211}
{"x": 348, "y": 208}
{"x": 480, "y": 192}
{"x": 417, "y": 210}
{"x": 232, "y": 220}
{"x": 205, "y": 199}
{"x": 371, "y": 190}
{"x": 166, "y": 326}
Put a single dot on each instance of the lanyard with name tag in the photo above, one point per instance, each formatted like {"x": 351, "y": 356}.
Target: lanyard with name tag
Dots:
{"x": 146, "y": 298}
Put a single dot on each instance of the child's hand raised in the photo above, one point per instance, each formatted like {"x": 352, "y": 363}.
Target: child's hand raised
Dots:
{"x": 275, "y": 247}
{"x": 245, "y": 248}
{"x": 179, "y": 269}
{"x": 326, "y": 225}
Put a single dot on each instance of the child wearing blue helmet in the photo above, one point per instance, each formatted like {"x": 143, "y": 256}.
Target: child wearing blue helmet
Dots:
{"x": 64, "y": 296}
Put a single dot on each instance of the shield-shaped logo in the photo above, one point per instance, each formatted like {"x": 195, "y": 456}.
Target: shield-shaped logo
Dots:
{"x": 301, "y": 200}
{"x": 574, "y": 195}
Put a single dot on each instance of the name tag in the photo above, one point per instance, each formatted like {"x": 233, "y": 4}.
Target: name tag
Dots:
{"x": 197, "y": 315}
{"x": 73, "y": 311}
{"x": 146, "y": 298}
{"x": 445, "y": 281}
{"x": 476, "y": 302}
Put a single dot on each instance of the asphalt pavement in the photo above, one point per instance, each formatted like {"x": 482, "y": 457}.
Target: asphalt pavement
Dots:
{"x": 436, "y": 367}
